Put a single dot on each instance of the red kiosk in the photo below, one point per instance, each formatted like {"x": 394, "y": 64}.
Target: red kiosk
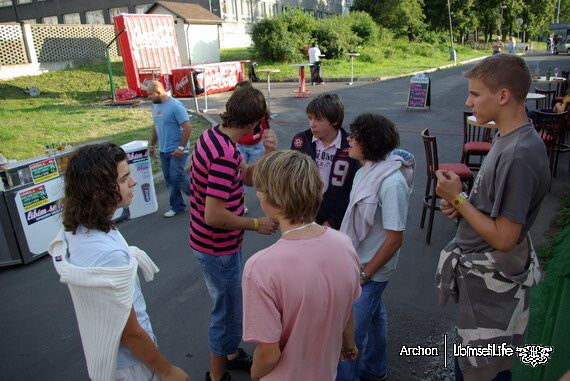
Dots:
{"x": 150, "y": 51}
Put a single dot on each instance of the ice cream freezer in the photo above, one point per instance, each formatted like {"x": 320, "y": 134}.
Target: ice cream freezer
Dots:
{"x": 31, "y": 193}
{"x": 30, "y": 206}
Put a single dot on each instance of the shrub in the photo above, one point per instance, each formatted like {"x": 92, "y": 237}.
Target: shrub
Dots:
{"x": 299, "y": 24}
{"x": 362, "y": 24}
{"x": 336, "y": 37}
{"x": 273, "y": 42}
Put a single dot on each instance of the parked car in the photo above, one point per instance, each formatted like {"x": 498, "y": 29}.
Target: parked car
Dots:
{"x": 562, "y": 47}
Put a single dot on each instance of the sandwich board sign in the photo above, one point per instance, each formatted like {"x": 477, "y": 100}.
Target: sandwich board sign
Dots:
{"x": 420, "y": 92}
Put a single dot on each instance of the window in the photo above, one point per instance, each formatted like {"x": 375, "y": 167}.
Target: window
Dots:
{"x": 30, "y": 21}
{"x": 5, "y": 3}
{"x": 113, "y": 12}
{"x": 49, "y": 20}
{"x": 142, "y": 8}
{"x": 24, "y": 1}
{"x": 231, "y": 10}
{"x": 261, "y": 12}
{"x": 94, "y": 17}
{"x": 71, "y": 18}
{"x": 272, "y": 11}
{"x": 246, "y": 10}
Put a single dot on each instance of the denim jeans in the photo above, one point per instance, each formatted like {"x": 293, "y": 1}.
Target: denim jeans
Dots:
{"x": 176, "y": 180}
{"x": 370, "y": 334}
{"x": 251, "y": 153}
{"x": 223, "y": 280}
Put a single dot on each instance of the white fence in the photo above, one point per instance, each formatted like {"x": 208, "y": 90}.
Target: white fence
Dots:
{"x": 23, "y": 46}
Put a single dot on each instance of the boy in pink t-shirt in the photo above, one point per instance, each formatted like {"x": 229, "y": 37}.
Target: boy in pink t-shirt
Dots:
{"x": 298, "y": 293}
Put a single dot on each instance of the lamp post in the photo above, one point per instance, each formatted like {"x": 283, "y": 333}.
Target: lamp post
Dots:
{"x": 503, "y": 6}
{"x": 453, "y": 56}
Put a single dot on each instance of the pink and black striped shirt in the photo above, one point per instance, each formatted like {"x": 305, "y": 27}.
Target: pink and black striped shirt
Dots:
{"x": 216, "y": 172}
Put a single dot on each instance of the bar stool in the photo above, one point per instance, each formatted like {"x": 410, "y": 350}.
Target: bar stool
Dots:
{"x": 432, "y": 165}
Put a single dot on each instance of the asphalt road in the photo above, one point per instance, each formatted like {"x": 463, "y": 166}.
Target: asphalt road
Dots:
{"x": 38, "y": 330}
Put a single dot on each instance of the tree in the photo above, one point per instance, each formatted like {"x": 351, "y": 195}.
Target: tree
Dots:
{"x": 405, "y": 18}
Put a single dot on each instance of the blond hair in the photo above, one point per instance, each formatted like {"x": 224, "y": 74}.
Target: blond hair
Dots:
{"x": 503, "y": 71}
{"x": 291, "y": 183}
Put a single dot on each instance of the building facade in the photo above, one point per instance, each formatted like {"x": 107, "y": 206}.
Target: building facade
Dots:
{"x": 237, "y": 15}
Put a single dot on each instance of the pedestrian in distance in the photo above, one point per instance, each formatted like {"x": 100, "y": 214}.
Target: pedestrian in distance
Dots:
{"x": 172, "y": 130}
{"x": 490, "y": 264}
{"x": 497, "y": 45}
{"x": 100, "y": 268}
{"x": 217, "y": 223}
{"x": 316, "y": 63}
{"x": 375, "y": 221}
{"x": 301, "y": 320}
{"x": 325, "y": 141}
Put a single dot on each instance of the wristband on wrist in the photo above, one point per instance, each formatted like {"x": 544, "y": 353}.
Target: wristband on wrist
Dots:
{"x": 255, "y": 224}
{"x": 459, "y": 199}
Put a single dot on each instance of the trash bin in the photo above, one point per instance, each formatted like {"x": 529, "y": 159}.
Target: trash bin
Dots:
{"x": 316, "y": 72}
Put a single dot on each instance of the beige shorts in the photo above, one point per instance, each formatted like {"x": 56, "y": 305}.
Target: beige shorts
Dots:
{"x": 137, "y": 372}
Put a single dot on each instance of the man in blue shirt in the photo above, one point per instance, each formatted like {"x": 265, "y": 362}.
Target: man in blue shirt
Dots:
{"x": 172, "y": 131}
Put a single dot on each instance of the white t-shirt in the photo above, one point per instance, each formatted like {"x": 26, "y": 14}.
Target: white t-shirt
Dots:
{"x": 391, "y": 214}
{"x": 299, "y": 293}
{"x": 314, "y": 55}
{"x": 98, "y": 249}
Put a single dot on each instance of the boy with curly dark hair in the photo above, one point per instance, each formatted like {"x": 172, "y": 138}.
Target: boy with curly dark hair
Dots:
{"x": 94, "y": 259}
{"x": 375, "y": 221}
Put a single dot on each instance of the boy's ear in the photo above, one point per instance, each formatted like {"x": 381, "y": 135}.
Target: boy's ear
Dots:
{"x": 504, "y": 96}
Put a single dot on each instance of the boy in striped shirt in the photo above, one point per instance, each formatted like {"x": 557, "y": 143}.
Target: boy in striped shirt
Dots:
{"x": 217, "y": 223}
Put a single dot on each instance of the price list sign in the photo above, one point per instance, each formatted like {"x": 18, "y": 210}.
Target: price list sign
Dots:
{"x": 44, "y": 170}
{"x": 419, "y": 93}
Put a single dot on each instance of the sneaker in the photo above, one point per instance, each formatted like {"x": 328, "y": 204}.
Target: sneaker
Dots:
{"x": 242, "y": 361}
{"x": 245, "y": 210}
{"x": 226, "y": 377}
{"x": 172, "y": 213}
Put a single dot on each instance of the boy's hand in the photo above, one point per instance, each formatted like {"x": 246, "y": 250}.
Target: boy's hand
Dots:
{"x": 267, "y": 226}
{"x": 270, "y": 141}
{"x": 448, "y": 185}
{"x": 448, "y": 210}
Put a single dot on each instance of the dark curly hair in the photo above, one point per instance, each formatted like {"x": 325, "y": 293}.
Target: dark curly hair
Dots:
{"x": 376, "y": 135}
{"x": 91, "y": 188}
{"x": 244, "y": 107}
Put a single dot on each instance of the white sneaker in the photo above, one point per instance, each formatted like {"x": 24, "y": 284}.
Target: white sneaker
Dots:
{"x": 172, "y": 213}
{"x": 245, "y": 210}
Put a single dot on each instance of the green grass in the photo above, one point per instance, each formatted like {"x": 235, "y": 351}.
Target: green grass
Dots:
{"x": 399, "y": 57}
{"x": 555, "y": 260}
{"x": 71, "y": 109}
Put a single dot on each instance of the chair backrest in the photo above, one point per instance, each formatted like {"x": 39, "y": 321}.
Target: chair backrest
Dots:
{"x": 430, "y": 145}
{"x": 472, "y": 133}
{"x": 547, "y": 101}
{"x": 551, "y": 127}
